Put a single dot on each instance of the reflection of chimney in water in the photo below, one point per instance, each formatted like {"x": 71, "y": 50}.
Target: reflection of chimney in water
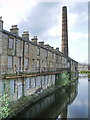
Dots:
{"x": 63, "y": 114}
{"x": 64, "y": 47}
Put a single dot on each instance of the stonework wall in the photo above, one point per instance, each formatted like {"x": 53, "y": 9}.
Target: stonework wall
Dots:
{"x": 47, "y": 58}
{"x": 17, "y": 88}
{"x": 29, "y": 56}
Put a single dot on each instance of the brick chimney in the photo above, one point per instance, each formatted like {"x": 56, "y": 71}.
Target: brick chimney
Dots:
{"x": 57, "y": 49}
{"x": 41, "y": 43}
{"x": 1, "y": 23}
{"x": 64, "y": 46}
{"x": 47, "y": 46}
{"x": 14, "y": 29}
{"x": 25, "y": 35}
{"x": 34, "y": 39}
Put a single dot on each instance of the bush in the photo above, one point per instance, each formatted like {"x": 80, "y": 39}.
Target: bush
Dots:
{"x": 63, "y": 79}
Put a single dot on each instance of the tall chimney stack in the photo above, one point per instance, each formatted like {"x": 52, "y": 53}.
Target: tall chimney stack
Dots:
{"x": 64, "y": 47}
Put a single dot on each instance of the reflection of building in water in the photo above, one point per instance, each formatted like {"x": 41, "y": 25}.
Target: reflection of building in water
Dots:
{"x": 52, "y": 106}
{"x": 63, "y": 114}
{"x": 83, "y": 67}
{"x": 25, "y": 86}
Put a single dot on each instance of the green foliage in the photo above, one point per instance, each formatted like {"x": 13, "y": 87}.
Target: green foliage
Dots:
{"x": 63, "y": 79}
{"x": 5, "y": 101}
{"x": 4, "y": 108}
{"x": 84, "y": 71}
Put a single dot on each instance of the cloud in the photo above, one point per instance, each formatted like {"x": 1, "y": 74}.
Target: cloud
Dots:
{"x": 77, "y": 36}
{"x": 41, "y": 18}
{"x": 44, "y": 19}
{"x": 13, "y": 11}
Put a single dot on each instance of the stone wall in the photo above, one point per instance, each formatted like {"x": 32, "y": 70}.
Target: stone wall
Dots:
{"x": 17, "y": 88}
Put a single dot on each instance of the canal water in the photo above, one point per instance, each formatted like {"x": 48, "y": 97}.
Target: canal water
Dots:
{"x": 70, "y": 102}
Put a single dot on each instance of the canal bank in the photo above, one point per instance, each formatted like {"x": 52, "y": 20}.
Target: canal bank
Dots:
{"x": 26, "y": 101}
{"x": 68, "y": 102}
{"x": 50, "y": 106}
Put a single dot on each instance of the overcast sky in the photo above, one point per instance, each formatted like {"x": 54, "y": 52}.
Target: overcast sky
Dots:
{"x": 44, "y": 20}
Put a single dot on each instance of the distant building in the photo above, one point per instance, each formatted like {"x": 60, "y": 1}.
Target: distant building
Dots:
{"x": 83, "y": 67}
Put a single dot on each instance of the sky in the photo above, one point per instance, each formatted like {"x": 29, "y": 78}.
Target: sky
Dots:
{"x": 44, "y": 19}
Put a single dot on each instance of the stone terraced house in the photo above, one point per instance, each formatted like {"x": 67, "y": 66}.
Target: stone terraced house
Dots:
{"x": 21, "y": 54}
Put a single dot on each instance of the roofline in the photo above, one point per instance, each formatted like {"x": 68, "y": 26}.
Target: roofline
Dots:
{"x": 17, "y": 36}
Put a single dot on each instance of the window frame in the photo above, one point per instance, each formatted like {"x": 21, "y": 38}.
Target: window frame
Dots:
{"x": 13, "y": 86}
{"x": 27, "y": 48}
{"x": 9, "y": 66}
{"x": 38, "y": 51}
{"x": 11, "y": 45}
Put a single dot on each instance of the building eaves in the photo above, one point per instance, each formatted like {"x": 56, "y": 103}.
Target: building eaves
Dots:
{"x": 19, "y": 37}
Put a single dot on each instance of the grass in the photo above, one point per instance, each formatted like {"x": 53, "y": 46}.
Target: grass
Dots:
{"x": 86, "y": 72}
{"x": 23, "y": 73}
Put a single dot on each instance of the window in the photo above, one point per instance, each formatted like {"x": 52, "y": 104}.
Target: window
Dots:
{"x": 27, "y": 48}
{"x": 11, "y": 43}
{"x": 56, "y": 58}
{"x": 38, "y": 63}
{"x": 43, "y": 81}
{"x": 20, "y": 91}
{"x": 19, "y": 44}
{"x": 19, "y": 63}
{"x": 52, "y": 55}
{"x": 38, "y": 51}
{"x": 38, "y": 81}
{"x": 47, "y": 78}
{"x": 28, "y": 83}
{"x": 26, "y": 63}
{"x": 12, "y": 86}
{"x": 32, "y": 63}
{"x": 47, "y": 53}
{"x": 10, "y": 62}
{"x": 0, "y": 63}
{"x": 2, "y": 87}
{"x": 33, "y": 82}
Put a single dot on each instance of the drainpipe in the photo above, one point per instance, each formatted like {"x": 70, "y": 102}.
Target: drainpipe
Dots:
{"x": 23, "y": 56}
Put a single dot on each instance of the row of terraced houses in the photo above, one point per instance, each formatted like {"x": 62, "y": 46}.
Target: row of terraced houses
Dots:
{"x": 25, "y": 55}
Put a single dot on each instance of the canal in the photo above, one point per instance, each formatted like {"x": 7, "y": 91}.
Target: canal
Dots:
{"x": 70, "y": 102}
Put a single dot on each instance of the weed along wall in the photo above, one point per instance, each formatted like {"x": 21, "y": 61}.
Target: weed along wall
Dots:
{"x": 12, "y": 90}
{"x": 65, "y": 78}
{"x": 16, "y": 92}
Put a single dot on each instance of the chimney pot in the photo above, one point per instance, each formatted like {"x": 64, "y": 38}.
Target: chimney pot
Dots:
{"x": 34, "y": 39}
{"x": 57, "y": 49}
{"x": 1, "y": 23}
{"x": 14, "y": 29}
{"x": 25, "y": 35}
{"x": 41, "y": 43}
{"x": 47, "y": 46}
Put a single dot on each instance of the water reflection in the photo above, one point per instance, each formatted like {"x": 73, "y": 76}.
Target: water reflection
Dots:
{"x": 79, "y": 108}
{"x": 53, "y": 106}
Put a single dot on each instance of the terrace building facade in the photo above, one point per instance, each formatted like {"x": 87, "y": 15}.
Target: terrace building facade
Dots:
{"x": 20, "y": 54}
{"x": 25, "y": 55}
